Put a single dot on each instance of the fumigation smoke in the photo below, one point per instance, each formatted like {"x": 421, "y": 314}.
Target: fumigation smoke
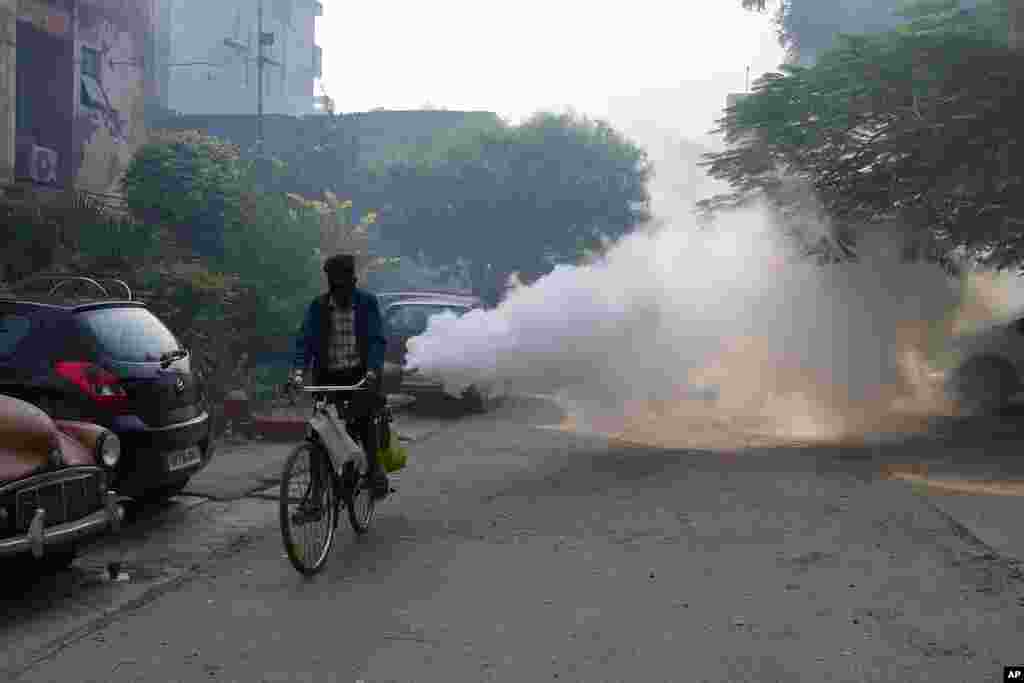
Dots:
{"x": 677, "y": 329}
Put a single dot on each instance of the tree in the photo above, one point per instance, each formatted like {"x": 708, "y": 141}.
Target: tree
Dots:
{"x": 322, "y": 156}
{"x": 808, "y": 27}
{"x": 339, "y": 234}
{"x": 190, "y": 183}
{"x": 917, "y": 127}
{"x": 515, "y": 198}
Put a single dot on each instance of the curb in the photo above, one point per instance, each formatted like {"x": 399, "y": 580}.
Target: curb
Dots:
{"x": 983, "y": 537}
{"x": 971, "y": 536}
{"x": 966, "y": 487}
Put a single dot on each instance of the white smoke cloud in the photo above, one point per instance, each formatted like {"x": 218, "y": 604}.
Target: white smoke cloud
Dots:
{"x": 632, "y": 326}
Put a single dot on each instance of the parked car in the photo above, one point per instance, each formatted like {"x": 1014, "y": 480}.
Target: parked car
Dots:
{"x": 55, "y": 483}
{"x": 112, "y": 362}
{"x": 406, "y": 316}
{"x": 984, "y": 368}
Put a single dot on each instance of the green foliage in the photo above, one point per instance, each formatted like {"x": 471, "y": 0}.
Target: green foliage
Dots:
{"x": 809, "y": 27}
{"x": 516, "y": 197}
{"x": 266, "y": 380}
{"x": 223, "y": 208}
{"x": 118, "y": 240}
{"x": 30, "y": 238}
{"x": 71, "y": 231}
{"x": 915, "y": 126}
{"x": 273, "y": 250}
{"x": 434, "y": 150}
{"x": 188, "y": 182}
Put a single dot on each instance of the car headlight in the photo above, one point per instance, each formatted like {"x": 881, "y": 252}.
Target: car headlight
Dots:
{"x": 108, "y": 450}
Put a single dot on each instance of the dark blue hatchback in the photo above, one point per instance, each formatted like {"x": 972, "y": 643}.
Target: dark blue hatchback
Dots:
{"x": 114, "y": 363}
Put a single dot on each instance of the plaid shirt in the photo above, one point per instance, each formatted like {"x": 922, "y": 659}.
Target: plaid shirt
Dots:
{"x": 342, "y": 352}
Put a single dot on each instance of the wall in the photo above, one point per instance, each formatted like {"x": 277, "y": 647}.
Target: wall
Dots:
{"x": 93, "y": 121}
{"x": 209, "y": 66}
{"x": 44, "y": 103}
{"x": 106, "y": 137}
{"x": 8, "y": 73}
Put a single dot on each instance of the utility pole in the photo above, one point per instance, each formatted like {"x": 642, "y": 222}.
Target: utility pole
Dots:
{"x": 259, "y": 80}
{"x": 262, "y": 40}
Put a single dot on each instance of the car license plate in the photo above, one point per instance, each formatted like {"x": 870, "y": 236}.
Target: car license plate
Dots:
{"x": 186, "y": 458}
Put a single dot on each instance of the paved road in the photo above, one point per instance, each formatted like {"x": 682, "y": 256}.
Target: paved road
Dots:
{"x": 513, "y": 553}
{"x": 162, "y": 546}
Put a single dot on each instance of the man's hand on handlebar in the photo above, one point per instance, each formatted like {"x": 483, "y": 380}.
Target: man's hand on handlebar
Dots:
{"x": 296, "y": 379}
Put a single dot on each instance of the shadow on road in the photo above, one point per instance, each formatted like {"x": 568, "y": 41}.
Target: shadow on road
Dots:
{"x": 435, "y": 407}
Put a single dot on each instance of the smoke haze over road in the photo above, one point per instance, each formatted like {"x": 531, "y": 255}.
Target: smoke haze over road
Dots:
{"x": 674, "y": 309}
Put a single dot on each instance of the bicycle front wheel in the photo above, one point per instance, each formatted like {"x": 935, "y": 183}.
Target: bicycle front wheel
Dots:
{"x": 308, "y": 508}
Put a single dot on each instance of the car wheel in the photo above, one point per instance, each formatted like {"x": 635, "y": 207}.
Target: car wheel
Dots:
{"x": 476, "y": 401}
{"x": 984, "y": 386}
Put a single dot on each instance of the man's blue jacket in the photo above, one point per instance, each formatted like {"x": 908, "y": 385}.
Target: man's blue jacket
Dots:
{"x": 311, "y": 345}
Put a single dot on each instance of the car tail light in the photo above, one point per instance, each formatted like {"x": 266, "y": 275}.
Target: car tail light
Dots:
{"x": 100, "y": 385}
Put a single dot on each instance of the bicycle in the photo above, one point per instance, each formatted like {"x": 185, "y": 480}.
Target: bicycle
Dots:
{"x": 337, "y": 469}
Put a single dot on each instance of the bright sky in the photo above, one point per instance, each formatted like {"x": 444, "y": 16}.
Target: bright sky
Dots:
{"x": 646, "y": 62}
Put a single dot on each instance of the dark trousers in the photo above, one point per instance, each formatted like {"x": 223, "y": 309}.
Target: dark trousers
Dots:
{"x": 365, "y": 406}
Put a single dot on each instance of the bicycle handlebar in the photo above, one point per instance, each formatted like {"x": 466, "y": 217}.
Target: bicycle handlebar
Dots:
{"x": 334, "y": 387}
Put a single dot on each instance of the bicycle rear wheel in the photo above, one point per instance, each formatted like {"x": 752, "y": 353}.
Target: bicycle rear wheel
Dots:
{"x": 308, "y": 507}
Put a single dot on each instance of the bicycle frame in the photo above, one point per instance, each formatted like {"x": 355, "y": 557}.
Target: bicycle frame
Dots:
{"x": 331, "y": 429}
{"x": 346, "y": 475}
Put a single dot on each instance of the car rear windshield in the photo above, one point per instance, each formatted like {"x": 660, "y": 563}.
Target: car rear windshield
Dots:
{"x": 412, "y": 319}
{"x": 129, "y": 333}
{"x": 13, "y": 330}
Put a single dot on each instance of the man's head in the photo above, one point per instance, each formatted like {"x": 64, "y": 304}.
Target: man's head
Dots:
{"x": 341, "y": 274}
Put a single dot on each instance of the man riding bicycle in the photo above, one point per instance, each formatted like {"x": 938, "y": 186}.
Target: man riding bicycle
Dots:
{"x": 342, "y": 338}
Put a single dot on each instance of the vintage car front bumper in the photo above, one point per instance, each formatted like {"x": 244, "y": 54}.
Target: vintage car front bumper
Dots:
{"x": 40, "y": 536}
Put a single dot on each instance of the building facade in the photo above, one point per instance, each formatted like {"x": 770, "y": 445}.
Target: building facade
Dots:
{"x": 207, "y": 56}
{"x": 73, "y": 97}
{"x": 8, "y": 81}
